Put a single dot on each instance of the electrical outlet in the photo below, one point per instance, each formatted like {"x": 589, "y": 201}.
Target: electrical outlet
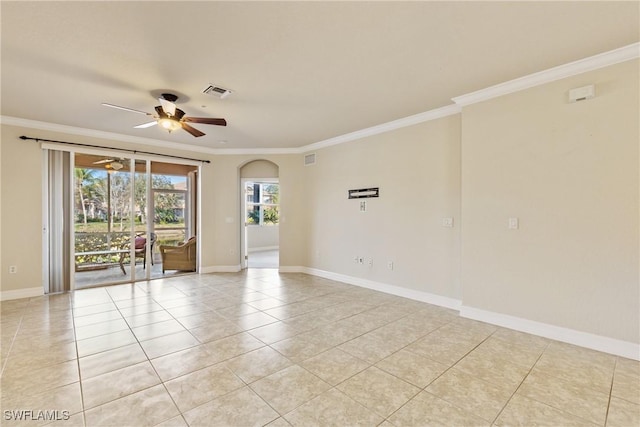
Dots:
{"x": 13, "y": 269}
{"x": 447, "y": 222}
{"x": 513, "y": 223}
{"x": 370, "y": 262}
{"x": 390, "y": 265}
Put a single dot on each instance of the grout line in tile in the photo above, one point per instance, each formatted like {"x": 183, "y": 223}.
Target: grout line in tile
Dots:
{"x": 248, "y": 385}
{"x": 13, "y": 339}
{"x": 146, "y": 388}
{"x": 519, "y": 385}
{"x": 73, "y": 320}
{"x": 550, "y": 405}
{"x": 606, "y": 417}
{"x": 444, "y": 372}
{"x": 321, "y": 307}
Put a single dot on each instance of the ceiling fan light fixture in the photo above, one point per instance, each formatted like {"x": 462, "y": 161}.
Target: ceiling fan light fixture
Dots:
{"x": 169, "y": 124}
{"x": 116, "y": 166}
{"x": 113, "y": 166}
{"x": 167, "y": 102}
{"x": 170, "y": 118}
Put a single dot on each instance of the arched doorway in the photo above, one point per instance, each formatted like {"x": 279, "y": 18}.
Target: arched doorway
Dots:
{"x": 260, "y": 230}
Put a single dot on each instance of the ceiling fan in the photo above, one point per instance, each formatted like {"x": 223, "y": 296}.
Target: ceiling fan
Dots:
{"x": 110, "y": 164}
{"x": 170, "y": 118}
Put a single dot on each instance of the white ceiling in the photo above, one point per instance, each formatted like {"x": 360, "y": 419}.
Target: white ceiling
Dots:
{"x": 301, "y": 72}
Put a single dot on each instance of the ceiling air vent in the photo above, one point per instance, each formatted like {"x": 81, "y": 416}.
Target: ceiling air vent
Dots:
{"x": 310, "y": 159}
{"x": 218, "y": 91}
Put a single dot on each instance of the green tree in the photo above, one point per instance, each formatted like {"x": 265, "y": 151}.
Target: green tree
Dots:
{"x": 163, "y": 201}
{"x": 140, "y": 195}
{"x": 120, "y": 197}
{"x": 271, "y": 193}
{"x": 84, "y": 178}
{"x": 270, "y": 215}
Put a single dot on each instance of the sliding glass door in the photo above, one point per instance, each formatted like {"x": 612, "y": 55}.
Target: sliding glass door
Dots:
{"x": 109, "y": 224}
{"x": 123, "y": 210}
{"x": 170, "y": 208}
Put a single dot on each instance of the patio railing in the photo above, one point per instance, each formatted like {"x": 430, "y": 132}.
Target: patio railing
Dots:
{"x": 98, "y": 250}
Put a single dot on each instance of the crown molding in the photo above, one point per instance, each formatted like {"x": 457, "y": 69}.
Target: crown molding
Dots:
{"x": 591, "y": 63}
{"x": 384, "y": 127}
{"x": 374, "y": 130}
{"x": 92, "y": 133}
{"x": 253, "y": 151}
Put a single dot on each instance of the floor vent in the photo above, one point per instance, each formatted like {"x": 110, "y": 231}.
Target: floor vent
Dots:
{"x": 310, "y": 159}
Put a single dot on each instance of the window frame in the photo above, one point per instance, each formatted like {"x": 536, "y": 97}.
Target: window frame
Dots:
{"x": 260, "y": 204}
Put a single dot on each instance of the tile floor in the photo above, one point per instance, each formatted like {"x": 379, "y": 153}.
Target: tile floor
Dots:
{"x": 262, "y": 348}
{"x": 113, "y": 274}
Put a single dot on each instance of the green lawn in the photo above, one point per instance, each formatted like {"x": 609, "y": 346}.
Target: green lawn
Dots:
{"x": 101, "y": 227}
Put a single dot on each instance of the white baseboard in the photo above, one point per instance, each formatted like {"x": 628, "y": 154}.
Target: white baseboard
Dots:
{"x": 583, "y": 339}
{"x": 263, "y": 248}
{"x": 558, "y": 333}
{"x": 413, "y": 294}
{"x": 21, "y": 293}
{"x": 220, "y": 269}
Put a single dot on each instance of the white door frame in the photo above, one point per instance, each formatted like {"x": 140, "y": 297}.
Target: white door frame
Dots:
{"x": 244, "y": 249}
{"x": 244, "y": 246}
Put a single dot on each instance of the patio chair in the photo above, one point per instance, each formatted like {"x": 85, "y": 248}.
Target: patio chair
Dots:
{"x": 181, "y": 257}
{"x": 140, "y": 248}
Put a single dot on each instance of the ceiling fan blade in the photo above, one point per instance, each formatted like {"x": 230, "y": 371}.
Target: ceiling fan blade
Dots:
{"x": 146, "y": 125}
{"x": 100, "y": 162}
{"x": 126, "y": 109}
{"x": 205, "y": 121}
{"x": 167, "y": 106}
{"x": 193, "y": 131}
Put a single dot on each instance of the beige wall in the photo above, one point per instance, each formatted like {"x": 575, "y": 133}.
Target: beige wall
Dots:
{"x": 569, "y": 172}
{"x": 262, "y": 237}
{"x": 21, "y": 189}
{"x": 21, "y": 216}
{"x": 259, "y": 169}
{"x": 222, "y": 198}
{"x": 418, "y": 172}
{"x": 2, "y": 266}
{"x": 22, "y": 200}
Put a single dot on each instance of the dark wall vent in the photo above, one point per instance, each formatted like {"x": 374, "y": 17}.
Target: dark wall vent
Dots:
{"x": 310, "y": 159}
